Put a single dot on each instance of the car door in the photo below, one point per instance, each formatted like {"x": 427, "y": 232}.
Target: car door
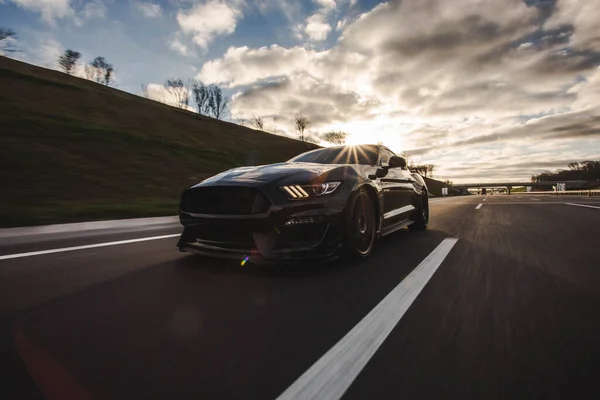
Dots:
{"x": 398, "y": 192}
{"x": 387, "y": 184}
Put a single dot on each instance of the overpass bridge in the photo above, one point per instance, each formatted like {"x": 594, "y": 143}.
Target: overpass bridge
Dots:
{"x": 510, "y": 184}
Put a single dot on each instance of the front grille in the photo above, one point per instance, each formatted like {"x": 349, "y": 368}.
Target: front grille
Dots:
{"x": 233, "y": 234}
{"x": 224, "y": 200}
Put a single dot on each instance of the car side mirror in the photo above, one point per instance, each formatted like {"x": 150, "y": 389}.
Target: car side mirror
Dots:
{"x": 397, "y": 162}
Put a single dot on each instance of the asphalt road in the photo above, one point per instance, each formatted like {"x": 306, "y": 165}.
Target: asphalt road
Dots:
{"x": 511, "y": 311}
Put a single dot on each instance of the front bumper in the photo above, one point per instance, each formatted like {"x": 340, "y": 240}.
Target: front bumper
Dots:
{"x": 266, "y": 238}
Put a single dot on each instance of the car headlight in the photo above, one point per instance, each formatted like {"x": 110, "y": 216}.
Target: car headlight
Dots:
{"x": 297, "y": 192}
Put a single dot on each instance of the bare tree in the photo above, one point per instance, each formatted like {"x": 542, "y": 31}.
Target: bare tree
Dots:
{"x": 430, "y": 168}
{"x": 257, "y": 122}
{"x": 201, "y": 94}
{"x": 100, "y": 71}
{"x": 7, "y": 36}
{"x": 335, "y": 137}
{"x": 179, "y": 91}
{"x": 89, "y": 72}
{"x": 218, "y": 102}
{"x": 302, "y": 124}
{"x": 421, "y": 169}
{"x": 275, "y": 119}
{"x": 574, "y": 166}
{"x": 68, "y": 61}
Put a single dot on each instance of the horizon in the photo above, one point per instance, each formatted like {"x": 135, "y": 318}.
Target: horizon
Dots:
{"x": 492, "y": 89}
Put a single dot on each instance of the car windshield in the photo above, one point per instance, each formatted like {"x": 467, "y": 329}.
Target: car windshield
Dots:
{"x": 364, "y": 155}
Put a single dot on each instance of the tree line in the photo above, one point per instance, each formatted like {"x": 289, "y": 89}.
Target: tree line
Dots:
{"x": 578, "y": 171}
{"x": 209, "y": 99}
{"x": 301, "y": 124}
{"x": 97, "y": 70}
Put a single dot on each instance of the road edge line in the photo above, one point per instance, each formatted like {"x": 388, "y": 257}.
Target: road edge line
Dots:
{"x": 84, "y": 247}
{"x": 582, "y": 205}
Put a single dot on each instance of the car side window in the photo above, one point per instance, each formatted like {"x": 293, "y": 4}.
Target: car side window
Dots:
{"x": 385, "y": 157}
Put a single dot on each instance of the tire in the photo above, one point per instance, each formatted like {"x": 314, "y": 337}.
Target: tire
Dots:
{"x": 421, "y": 215}
{"x": 360, "y": 226}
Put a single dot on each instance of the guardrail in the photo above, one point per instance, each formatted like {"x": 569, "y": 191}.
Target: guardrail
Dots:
{"x": 588, "y": 193}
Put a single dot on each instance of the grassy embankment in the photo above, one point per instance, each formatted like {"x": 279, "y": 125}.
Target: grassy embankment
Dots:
{"x": 73, "y": 150}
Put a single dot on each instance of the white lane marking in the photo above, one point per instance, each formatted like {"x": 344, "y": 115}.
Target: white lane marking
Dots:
{"x": 398, "y": 211}
{"x": 534, "y": 199}
{"x": 87, "y": 246}
{"x": 478, "y": 206}
{"x": 334, "y": 372}
{"x": 581, "y": 205}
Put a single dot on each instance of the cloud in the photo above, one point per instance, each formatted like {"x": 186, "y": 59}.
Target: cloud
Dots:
{"x": 149, "y": 10}
{"x": 207, "y": 20}
{"x": 317, "y": 28}
{"x": 44, "y": 52}
{"x": 94, "y": 9}
{"x": 290, "y": 8}
{"x": 432, "y": 76}
{"x": 49, "y": 9}
{"x": 90, "y": 10}
{"x": 583, "y": 16}
{"x": 177, "y": 45}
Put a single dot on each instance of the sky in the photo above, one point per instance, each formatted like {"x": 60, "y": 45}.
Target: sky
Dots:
{"x": 486, "y": 90}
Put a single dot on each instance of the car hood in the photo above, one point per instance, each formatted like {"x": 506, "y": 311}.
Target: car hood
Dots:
{"x": 274, "y": 173}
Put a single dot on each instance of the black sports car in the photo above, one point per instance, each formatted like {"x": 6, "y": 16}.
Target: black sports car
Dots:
{"x": 321, "y": 204}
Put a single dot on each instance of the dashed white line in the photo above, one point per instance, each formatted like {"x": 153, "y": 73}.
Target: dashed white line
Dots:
{"x": 478, "y": 206}
{"x": 334, "y": 372}
{"x": 581, "y": 205}
{"x": 87, "y": 246}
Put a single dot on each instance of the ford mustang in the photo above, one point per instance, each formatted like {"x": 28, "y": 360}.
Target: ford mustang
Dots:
{"x": 322, "y": 204}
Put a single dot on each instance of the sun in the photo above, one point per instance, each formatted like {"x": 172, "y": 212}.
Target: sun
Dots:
{"x": 384, "y": 131}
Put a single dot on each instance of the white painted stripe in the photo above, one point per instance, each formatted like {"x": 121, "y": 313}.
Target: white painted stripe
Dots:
{"x": 87, "y": 246}
{"x": 535, "y": 199}
{"x": 581, "y": 205}
{"x": 334, "y": 372}
{"x": 398, "y": 211}
{"x": 9, "y": 233}
{"x": 478, "y": 206}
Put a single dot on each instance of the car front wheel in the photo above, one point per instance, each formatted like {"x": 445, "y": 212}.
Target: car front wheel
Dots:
{"x": 359, "y": 235}
{"x": 421, "y": 215}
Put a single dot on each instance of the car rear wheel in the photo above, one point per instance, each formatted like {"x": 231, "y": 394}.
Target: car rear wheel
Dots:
{"x": 421, "y": 215}
{"x": 359, "y": 235}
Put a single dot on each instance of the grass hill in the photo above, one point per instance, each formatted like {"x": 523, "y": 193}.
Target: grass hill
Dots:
{"x": 74, "y": 150}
